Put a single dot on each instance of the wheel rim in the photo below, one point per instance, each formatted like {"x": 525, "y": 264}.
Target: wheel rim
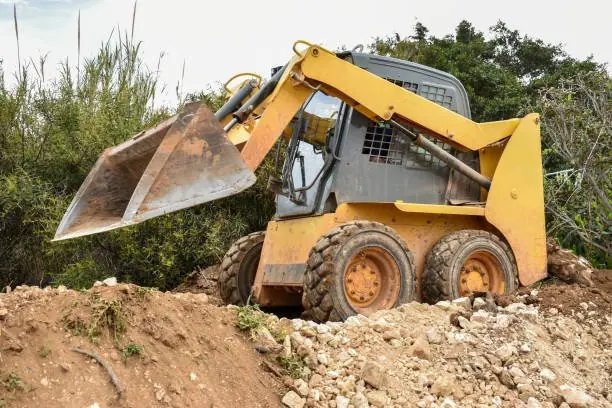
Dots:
{"x": 481, "y": 272}
{"x": 372, "y": 280}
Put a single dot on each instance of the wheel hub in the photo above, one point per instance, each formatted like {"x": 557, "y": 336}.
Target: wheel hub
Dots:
{"x": 362, "y": 280}
{"x": 480, "y": 273}
{"x": 372, "y": 280}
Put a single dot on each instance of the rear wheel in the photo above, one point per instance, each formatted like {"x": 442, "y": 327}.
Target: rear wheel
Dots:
{"x": 239, "y": 267}
{"x": 468, "y": 261}
{"x": 358, "y": 267}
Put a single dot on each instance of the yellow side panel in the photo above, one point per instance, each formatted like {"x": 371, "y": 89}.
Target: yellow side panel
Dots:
{"x": 515, "y": 204}
{"x": 489, "y": 157}
{"x": 386, "y": 99}
{"x": 439, "y": 209}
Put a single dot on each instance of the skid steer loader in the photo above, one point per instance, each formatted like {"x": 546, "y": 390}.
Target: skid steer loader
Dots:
{"x": 388, "y": 193}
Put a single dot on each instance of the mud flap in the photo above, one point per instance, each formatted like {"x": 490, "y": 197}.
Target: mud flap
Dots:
{"x": 185, "y": 161}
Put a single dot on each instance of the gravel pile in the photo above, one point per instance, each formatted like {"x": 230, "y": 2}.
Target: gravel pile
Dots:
{"x": 465, "y": 353}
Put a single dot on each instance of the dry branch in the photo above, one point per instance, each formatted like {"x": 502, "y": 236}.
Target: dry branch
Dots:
{"x": 108, "y": 369}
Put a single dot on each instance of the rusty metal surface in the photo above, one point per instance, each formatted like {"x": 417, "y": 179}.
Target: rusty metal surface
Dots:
{"x": 185, "y": 161}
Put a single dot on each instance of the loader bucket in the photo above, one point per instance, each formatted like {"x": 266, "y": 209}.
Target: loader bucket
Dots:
{"x": 182, "y": 162}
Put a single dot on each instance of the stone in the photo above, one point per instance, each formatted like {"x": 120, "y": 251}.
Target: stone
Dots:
{"x": 516, "y": 372}
{"x": 360, "y": 401}
{"x": 97, "y": 284}
{"x": 308, "y": 331}
{"x": 391, "y": 335}
{"x": 420, "y": 348}
{"x": 533, "y": 403}
{"x": 193, "y": 376}
{"x": 444, "y": 385}
{"x": 525, "y": 348}
{"x": 463, "y": 302}
{"x": 547, "y": 375}
{"x": 112, "y": 281}
{"x": 505, "y": 378}
{"x": 315, "y": 380}
{"x": 44, "y": 382}
{"x": 480, "y": 316}
{"x": 3, "y": 313}
{"x": 444, "y": 305}
{"x": 378, "y": 399}
{"x": 323, "y": 359}
{"x": 584, "y": 305}
{"x": 575, "y": 397}
{"x": 373, "y": 374}
{"x": 301, "y": 387}
{"x": 479, "y": 303}
{"x": 464, "y": 323}
{"x": 343, "y": 356}
{"x": 287, "y": 347}
{"x": 505, "y": 352}
{"x": 515, "y": 307}
{"x": 342, "y": 402}
{"x": 94, "y": 405}
{"x": 62, "y": 289}
{"x": 434, "y": 336}
{"x": 448, "y": 403}
{"x": 503, "y": 321}
{"x": 293, "y": 400}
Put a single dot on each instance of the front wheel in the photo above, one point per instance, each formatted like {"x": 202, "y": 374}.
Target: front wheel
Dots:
{"x": 239, "y": 267}
{"x": 468, "y": 261}
{"x": 358, "y": 267}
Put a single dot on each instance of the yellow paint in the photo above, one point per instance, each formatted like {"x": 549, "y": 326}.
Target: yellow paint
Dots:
{"x": 384, "y": 100}
{"x": 515, "y": 204}
{"x": 489, "y": 157}
{"x": 439, "y": 209}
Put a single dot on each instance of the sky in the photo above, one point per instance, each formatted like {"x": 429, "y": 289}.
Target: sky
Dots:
{"x": 216, "y": 39}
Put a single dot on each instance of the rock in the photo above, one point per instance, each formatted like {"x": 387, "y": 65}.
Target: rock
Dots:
{"x": 505, "y": 352}
{"x": 322, "y": 329}
{"x": 308, "y": 331}
{"x": 65, "y": 367}
{"x": 533, "y": 403}
{"x": 525, "y": 348}
{"x": 479, "y": 303}
{"x": 391, "y": 334}
{"x": 516, "y": 372}
{"x": 378, "y": 399}
{"x": 112, "y": 281}
{"x": 360, "y": 401}
{"x": 3, "y": 313}
{"x": 293, "y": 400}
{"x": 315, "y": 380}
{"x": 323, "y": 359}
{"x": 301, "y": 387}
{"x": 97, "y": 284}
{"x": 480, "y": 316}
{"x": 434, "y": 336}
{"x": 547, "y": 375}
{"x": 444, "y": 305}
{"x": 193, "y": 376}
{"x": 342, "y": 402}
{"x": 505, "y": 378}
{"x": 463, "y": 302}
{"x": 373, "y": 374}
{"x": 574, "y": 396}
{"x": 44, "y": 382}
{"x": 464, "y": 323}
{"x": 420, "y": 348}
{"x": 94, "y": 405}
{"x": 444, "y": 385}
{"x": 448, "y": 403}
{"x": 503, "y": 321}
{"x": 515, "y": 307}
{"x": 62, "y": 289}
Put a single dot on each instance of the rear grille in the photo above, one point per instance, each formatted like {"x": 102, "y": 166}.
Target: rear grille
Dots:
{"x": 383, "y": 145}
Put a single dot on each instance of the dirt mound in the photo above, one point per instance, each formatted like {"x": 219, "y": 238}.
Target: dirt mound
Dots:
{"x": 202, "y": 281}
{"x": 165, "y": 350}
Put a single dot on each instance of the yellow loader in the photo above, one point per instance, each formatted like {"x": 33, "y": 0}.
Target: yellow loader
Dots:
{"x": 388, "y": 192}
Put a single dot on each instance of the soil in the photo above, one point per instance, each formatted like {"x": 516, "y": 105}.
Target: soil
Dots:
{"x": 567, "y": 298}
{"x": 166, "y": 350}
{"x": 182, "y": 349}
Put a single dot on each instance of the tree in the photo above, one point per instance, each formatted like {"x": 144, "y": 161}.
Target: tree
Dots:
{"x": 577, "y": 132}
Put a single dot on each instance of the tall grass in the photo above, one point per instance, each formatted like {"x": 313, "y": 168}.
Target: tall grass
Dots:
{"x": 51, "y": 133}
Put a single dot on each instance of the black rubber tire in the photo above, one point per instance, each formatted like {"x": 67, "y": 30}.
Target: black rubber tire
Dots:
{"x": 446, "y": 258}
{"x": 238, "y": 269}
{"x": 323, "y": 297}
